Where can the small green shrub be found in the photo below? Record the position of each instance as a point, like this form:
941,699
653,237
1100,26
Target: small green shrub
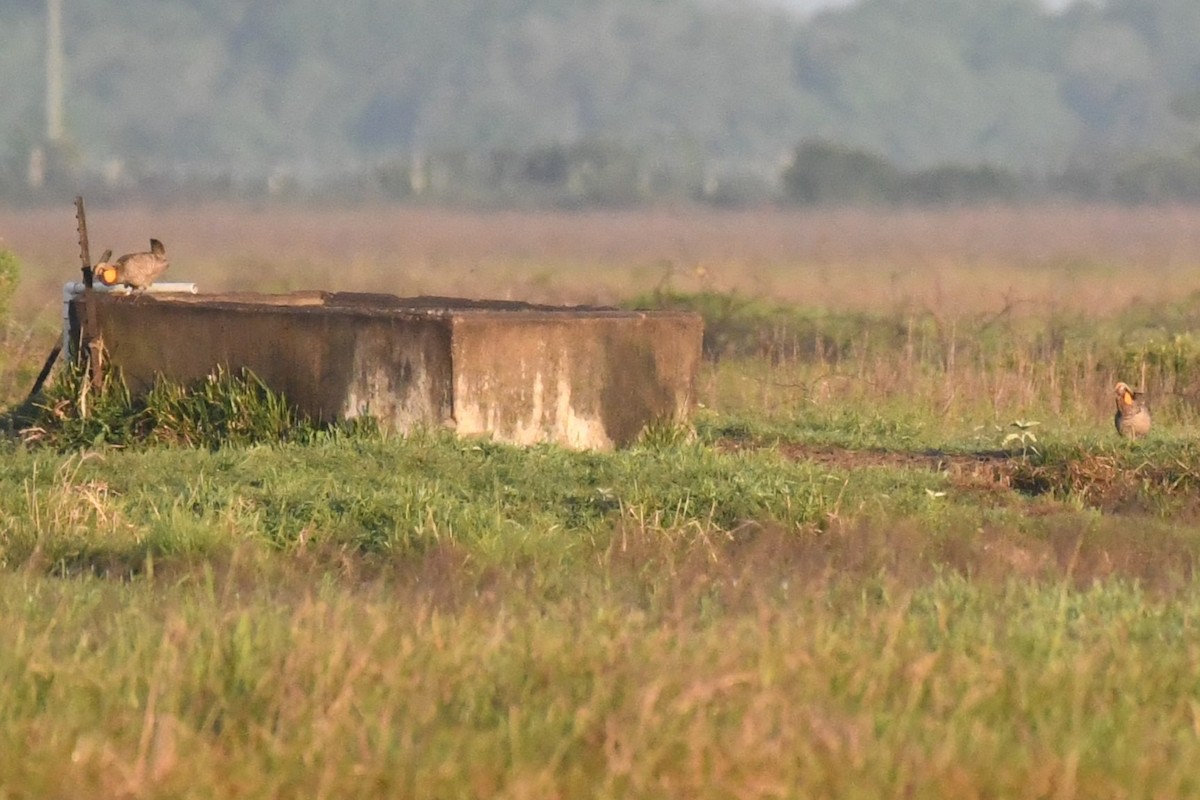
10,273
224,408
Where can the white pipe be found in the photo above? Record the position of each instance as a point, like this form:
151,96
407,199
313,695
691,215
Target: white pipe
77,288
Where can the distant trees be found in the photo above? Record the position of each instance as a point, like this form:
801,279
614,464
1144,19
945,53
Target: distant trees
589,173
580,101
826,173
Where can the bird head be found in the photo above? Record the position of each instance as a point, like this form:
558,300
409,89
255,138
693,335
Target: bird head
1124,394
106,273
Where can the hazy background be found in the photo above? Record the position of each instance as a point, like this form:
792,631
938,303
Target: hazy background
812,6
609,102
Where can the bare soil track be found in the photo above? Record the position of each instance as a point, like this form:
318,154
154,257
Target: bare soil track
1101,481
982,468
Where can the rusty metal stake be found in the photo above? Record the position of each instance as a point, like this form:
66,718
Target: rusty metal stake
45,373
91,344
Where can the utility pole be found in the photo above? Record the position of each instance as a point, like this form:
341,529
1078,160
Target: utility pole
54,71
44,156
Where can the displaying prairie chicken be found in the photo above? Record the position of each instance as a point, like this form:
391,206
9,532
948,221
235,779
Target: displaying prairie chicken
1133,415
135,270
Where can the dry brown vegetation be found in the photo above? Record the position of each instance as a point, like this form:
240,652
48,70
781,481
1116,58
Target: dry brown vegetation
1033,259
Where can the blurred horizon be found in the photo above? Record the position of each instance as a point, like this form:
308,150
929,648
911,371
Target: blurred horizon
813,6
581,102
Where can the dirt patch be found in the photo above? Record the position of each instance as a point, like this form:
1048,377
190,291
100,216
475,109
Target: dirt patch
1112,484
1102,481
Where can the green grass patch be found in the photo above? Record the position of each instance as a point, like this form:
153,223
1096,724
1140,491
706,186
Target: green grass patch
223,409
390,497
847,579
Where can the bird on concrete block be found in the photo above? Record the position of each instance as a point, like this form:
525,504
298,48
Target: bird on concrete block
1133,414
135,270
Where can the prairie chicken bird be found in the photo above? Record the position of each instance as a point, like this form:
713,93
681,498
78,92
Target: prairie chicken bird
1133,415
136,270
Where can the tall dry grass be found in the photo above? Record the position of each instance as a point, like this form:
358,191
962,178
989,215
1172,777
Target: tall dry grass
1032,259
766,667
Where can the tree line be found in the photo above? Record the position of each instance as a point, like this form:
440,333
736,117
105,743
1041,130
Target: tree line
611,101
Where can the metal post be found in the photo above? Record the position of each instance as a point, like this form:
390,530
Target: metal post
84,254
90,333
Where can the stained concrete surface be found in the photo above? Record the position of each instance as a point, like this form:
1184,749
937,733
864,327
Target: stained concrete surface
584,377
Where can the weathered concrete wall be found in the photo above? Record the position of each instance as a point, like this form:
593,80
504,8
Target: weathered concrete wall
584,381
581,377
330,365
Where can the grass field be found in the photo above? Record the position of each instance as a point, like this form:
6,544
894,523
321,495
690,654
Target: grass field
900,552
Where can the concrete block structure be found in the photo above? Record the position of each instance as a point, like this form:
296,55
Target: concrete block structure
582,377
